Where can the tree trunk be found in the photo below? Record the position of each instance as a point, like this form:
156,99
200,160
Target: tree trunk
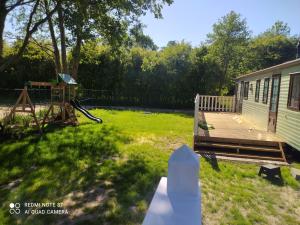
3,14
54,42
76,57
62,39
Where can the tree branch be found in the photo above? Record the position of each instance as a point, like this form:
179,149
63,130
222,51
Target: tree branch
18,3
43,47
29,33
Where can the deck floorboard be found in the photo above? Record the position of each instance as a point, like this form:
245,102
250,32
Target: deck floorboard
232,125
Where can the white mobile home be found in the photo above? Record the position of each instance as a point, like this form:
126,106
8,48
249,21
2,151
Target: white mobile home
270,99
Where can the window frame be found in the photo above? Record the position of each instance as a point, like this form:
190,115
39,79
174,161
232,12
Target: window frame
266,94
257,87
246,90
292,77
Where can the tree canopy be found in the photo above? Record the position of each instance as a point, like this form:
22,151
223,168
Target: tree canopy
105,48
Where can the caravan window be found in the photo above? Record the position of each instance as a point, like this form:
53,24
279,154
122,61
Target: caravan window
266,91
246,90
294,92
257,89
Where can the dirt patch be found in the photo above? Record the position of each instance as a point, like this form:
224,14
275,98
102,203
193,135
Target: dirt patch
5,110
82,205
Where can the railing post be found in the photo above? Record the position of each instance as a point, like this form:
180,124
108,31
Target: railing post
196,117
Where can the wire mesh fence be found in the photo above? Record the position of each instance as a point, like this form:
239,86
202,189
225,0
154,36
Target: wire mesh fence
94,97
40,98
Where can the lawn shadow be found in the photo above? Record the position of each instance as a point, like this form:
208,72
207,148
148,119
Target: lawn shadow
122,194
51,167
278,181
212,160
133,183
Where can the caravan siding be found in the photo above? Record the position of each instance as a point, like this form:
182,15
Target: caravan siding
288,121
256,112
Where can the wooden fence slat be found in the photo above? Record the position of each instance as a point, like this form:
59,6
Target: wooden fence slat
214,101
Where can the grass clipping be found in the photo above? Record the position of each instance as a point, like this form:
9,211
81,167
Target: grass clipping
205,126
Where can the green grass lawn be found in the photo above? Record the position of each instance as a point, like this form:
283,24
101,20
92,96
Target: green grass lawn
107,174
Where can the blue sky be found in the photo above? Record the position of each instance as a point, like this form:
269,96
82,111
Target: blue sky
192,20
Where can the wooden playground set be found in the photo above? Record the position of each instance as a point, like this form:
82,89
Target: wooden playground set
62,104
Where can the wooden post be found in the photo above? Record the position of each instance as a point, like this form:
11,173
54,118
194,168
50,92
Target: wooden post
24,99
63,105
196,118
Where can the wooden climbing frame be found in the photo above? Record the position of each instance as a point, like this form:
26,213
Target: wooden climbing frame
23,105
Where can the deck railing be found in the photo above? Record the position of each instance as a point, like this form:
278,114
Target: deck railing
216,103
212,104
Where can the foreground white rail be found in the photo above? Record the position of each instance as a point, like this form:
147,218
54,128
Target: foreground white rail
177,199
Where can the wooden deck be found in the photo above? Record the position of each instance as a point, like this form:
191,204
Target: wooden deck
232,125
230,135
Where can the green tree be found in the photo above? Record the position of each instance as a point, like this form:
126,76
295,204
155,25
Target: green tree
35,64
32,20
227,44
100,68
139,39
204,72
279,28
272,47
109,20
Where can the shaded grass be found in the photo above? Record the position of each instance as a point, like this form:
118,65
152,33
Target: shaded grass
107,174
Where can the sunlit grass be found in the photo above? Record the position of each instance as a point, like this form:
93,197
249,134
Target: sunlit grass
107,174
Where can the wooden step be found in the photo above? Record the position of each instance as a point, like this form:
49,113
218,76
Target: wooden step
199,139
231,146
241,155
